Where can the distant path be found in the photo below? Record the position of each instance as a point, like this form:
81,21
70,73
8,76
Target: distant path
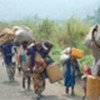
12,91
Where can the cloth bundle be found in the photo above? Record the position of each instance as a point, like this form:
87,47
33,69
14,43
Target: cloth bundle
93,43
23,34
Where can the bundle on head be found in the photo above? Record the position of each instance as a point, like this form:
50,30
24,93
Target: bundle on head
23,33
6,36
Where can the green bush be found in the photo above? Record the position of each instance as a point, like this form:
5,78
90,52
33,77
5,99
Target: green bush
70,32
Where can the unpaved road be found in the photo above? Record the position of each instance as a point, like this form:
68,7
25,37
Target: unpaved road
12,91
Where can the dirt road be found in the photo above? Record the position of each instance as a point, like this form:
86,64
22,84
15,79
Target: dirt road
12,91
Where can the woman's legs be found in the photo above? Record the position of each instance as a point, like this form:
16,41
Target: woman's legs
13,68
67,90
10,71
28,82
28,79
72,93
23,82
39,84
19,69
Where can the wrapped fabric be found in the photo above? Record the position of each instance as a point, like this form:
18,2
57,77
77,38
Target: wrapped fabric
66,51
76,53
92,41
38,74
39,64
95,67
64,58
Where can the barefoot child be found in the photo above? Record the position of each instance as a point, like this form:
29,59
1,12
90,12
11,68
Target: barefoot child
87,71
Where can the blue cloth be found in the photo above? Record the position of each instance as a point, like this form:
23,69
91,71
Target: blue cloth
69,74
42,53
7,53
32,53
45,74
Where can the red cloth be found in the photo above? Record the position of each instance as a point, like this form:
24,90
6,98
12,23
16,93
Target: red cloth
19,58
87,71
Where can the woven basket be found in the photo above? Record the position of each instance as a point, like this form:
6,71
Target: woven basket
54,73
6,37
93,88
76,53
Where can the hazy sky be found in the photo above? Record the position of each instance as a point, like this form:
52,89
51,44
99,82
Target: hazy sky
53,9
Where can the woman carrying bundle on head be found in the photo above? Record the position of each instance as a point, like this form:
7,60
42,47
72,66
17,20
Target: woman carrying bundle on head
6,43
70,65
39,68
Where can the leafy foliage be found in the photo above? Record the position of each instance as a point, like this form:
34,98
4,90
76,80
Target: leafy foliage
70,32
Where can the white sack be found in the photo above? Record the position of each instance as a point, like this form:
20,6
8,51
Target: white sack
23,34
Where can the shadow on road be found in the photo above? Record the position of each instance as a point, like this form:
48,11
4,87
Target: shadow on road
14,83
50,97
76,97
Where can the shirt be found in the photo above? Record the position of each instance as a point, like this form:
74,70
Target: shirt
7,53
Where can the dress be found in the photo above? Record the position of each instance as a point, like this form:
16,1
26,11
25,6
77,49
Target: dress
70,72
38,77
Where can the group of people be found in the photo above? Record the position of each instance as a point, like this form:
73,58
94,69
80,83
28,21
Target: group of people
33,58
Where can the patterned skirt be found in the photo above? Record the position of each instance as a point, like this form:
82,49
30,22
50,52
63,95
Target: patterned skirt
39,82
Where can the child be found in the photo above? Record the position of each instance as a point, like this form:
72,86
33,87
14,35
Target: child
87,71
25,67
7,55
70,68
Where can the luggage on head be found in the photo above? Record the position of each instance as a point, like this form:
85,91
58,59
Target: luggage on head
23,33
76,53
71,52
7,35
46,46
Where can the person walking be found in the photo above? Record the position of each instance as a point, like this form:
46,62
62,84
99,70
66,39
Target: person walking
70,68
25,60
7,55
